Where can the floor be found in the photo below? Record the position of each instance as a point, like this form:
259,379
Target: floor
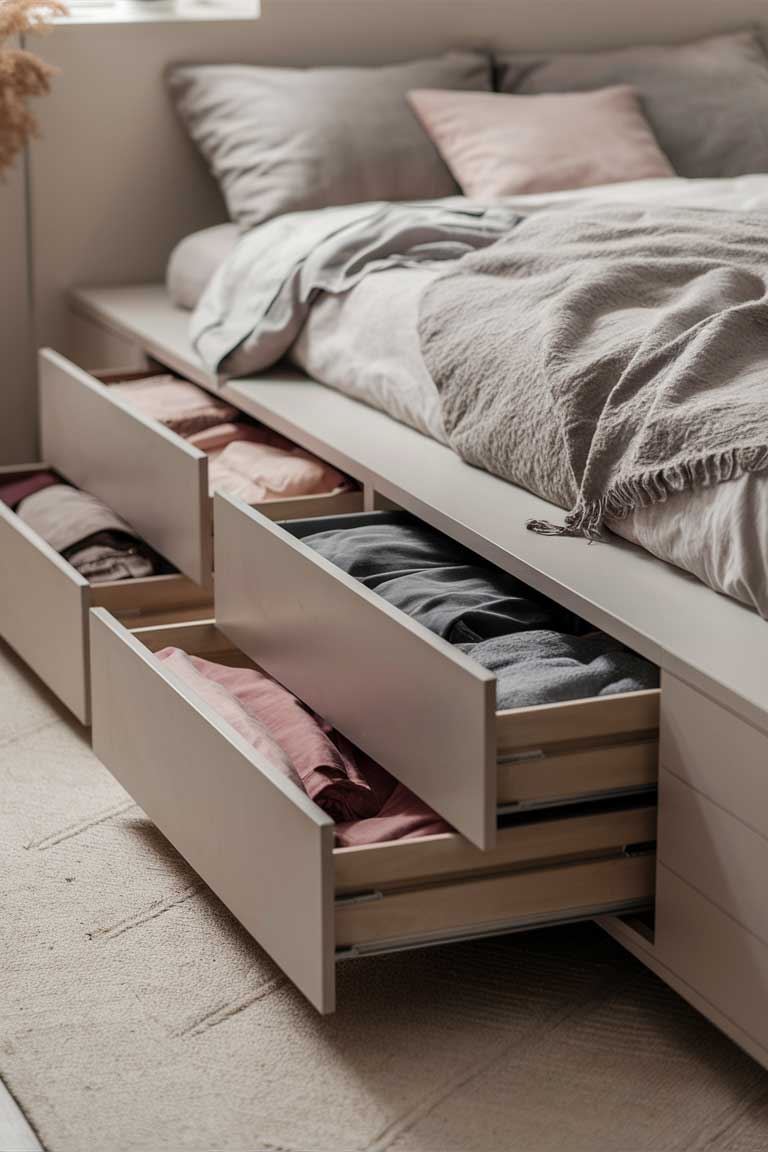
136,1014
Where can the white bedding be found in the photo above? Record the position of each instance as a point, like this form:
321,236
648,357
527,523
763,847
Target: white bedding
365,343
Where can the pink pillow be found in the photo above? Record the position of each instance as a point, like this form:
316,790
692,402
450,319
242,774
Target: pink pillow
500,145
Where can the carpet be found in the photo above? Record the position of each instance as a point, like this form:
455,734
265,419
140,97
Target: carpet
135,1013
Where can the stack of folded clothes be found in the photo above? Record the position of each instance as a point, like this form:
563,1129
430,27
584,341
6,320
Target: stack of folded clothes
539,652
246,460
90,536
368,805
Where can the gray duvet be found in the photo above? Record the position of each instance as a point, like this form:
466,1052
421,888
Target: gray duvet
607,359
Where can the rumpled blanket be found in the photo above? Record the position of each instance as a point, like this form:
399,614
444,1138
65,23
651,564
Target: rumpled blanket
606,359
257,301
539,652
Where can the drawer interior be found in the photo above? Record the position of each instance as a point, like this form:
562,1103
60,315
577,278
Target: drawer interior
360,661
344,500
546,867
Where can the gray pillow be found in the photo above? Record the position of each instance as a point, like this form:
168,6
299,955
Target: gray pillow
286,139
707,101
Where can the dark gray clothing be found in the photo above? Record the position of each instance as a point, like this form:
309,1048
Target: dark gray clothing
437,582
539,652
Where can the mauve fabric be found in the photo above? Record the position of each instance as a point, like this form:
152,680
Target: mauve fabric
706,101
180,406
403,816
283,140
218,686
500,145
335,775
12,492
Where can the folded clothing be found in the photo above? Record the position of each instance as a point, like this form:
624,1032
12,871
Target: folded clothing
93,538
261,472
545,667
439,583
180,406
245,460
367,803
539,652
24,484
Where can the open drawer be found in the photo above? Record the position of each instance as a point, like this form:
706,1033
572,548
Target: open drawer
44,605
414,702
151,477
268,851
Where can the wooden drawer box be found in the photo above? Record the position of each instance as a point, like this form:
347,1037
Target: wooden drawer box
151,477
268,851
412,701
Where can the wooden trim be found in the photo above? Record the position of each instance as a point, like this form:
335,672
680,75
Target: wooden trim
432,858
542,895
565,771
577,720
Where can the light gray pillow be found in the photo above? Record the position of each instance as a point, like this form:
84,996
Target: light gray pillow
287,139
707,101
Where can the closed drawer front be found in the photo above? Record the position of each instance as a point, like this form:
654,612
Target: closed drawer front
715,752
153,478
268,852
411,700
721,960
44,605
719,855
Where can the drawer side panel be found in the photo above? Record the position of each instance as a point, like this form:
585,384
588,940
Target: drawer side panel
147,475
422,712
44,612
259,843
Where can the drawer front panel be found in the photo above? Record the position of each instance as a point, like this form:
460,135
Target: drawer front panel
149,476
44,611
419,707
257,841
715,752
718,958
715,852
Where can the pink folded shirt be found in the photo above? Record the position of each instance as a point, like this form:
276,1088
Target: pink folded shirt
180,406
260,472
367,803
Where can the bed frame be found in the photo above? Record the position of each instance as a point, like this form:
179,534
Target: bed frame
710,940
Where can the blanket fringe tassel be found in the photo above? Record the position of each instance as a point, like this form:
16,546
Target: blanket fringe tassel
627,496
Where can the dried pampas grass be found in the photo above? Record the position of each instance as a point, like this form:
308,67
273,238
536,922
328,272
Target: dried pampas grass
22,74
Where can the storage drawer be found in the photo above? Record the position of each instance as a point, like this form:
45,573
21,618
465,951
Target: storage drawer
44,605
718,958
716,853
268,851
715,752
412,701
153,478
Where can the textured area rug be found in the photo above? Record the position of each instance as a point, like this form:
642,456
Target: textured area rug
136,1014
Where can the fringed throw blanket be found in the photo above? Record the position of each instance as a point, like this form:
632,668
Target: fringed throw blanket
605,358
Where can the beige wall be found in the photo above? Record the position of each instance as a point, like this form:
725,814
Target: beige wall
17,425
114,182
